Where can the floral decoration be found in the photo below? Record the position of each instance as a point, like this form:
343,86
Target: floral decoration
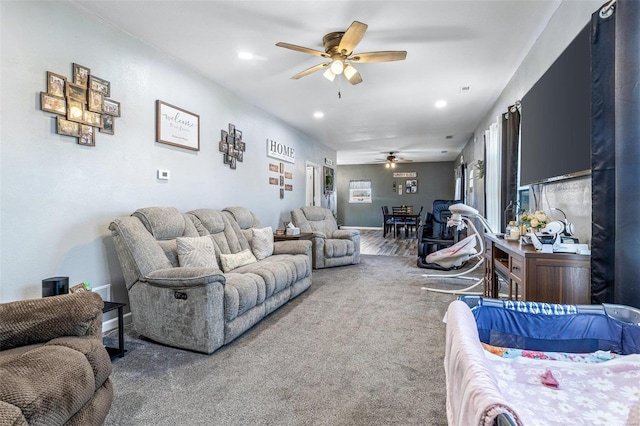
539,219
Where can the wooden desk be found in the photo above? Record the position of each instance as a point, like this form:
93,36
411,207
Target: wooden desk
535,276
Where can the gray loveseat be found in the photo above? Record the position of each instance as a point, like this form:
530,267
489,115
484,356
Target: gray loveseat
203,308
331,246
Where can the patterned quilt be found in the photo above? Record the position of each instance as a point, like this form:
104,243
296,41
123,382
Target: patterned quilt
590,392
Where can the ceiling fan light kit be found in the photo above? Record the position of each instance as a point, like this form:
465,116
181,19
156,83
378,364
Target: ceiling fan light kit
338,48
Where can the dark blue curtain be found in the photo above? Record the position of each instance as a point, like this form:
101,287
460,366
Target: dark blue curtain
627,128
615,147
602,157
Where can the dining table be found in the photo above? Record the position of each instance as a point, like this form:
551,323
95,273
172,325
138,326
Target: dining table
404,219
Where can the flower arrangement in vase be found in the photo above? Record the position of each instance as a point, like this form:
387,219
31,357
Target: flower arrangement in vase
535,221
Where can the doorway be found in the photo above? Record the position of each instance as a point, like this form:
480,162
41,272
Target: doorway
313,189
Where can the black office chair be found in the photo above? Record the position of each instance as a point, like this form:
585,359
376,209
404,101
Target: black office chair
434,234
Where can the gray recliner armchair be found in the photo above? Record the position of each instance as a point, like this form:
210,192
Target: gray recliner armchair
331,246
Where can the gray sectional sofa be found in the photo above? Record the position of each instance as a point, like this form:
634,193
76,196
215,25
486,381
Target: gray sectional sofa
194,280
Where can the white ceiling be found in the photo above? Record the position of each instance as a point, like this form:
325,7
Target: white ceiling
449,44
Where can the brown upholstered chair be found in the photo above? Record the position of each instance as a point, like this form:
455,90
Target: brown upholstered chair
54,368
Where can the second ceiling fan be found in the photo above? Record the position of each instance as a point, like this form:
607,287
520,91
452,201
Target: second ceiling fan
338,48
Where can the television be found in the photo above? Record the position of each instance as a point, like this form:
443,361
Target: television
555,138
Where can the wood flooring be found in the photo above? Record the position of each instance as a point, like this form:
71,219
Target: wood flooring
372,242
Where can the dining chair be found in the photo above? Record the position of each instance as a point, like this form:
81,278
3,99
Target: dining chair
388,222
414,222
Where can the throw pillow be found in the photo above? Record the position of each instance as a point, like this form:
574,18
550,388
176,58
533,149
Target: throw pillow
262,242
196,252
236,260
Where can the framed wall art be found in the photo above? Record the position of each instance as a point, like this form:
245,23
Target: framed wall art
111,107
75,91
107,124
273,167
99,85
95,101
68,128
231,146
87,135
55,84
81,101
81,75
53,104
411,186
176,126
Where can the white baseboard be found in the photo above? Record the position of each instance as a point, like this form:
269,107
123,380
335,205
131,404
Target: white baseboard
112,324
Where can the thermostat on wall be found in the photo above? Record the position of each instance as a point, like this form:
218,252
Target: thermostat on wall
163,174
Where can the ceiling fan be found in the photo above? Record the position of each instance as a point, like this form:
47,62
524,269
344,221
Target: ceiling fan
338,49
392,160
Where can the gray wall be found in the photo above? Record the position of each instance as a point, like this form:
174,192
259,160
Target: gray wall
58,197
573,196
435,180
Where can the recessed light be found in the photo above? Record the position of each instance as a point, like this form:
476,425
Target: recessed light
247,56
443,152
464,89
441,103
449,137
318,114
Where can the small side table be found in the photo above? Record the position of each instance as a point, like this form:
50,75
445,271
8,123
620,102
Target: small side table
120,350
301,236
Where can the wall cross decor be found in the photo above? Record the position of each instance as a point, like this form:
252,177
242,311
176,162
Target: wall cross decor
232,146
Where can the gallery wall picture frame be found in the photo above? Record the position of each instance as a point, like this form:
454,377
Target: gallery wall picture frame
411,186
281,167
56,84
281,180
95,100
81,75
273,167
53,104
76,91
238,135
91,118
107,124
99,85
288,175
67,128
288,187
111,107
232,162
222,146
75,110
273,181
232,129
80,101
176,126
281,193
87,135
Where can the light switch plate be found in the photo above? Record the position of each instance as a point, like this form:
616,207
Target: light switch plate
164,174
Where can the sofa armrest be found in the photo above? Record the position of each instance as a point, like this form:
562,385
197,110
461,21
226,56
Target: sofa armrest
184,277
33,321
345,234
292,247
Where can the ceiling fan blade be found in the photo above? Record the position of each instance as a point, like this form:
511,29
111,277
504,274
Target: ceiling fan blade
310,70
302,49
352,37
382,56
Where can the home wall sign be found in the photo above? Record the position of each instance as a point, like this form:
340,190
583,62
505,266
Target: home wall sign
280,151
176,126
82,104
232,146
